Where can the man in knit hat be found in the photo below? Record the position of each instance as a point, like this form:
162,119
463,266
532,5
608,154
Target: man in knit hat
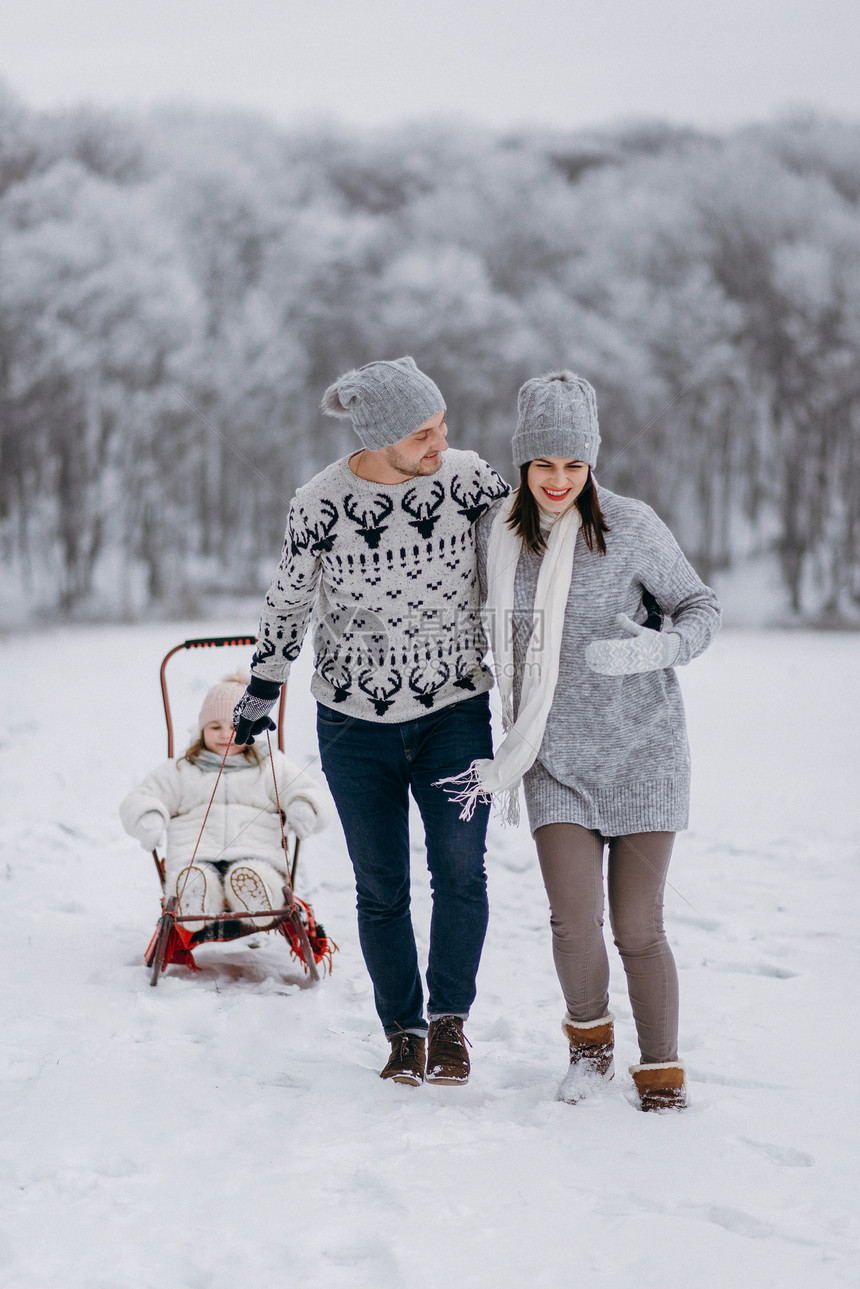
380,546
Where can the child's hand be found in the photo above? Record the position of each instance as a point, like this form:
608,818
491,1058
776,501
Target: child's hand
149,828
302,819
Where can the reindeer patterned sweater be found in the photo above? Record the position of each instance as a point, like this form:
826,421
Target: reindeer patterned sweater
389,573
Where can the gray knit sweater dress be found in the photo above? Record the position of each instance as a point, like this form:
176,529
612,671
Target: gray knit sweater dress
614,756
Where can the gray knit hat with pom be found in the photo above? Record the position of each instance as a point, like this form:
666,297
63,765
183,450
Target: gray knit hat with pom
557,418
386,400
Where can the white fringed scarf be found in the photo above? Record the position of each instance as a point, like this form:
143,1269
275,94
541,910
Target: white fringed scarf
518,751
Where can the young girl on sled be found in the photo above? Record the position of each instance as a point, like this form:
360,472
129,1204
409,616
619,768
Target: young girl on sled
240,860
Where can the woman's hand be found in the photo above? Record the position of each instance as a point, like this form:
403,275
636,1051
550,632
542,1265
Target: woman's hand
639,650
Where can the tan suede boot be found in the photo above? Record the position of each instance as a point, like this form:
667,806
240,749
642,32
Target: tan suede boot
661,1086
591,1067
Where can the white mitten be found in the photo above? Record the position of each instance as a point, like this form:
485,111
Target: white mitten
640,649
302,819
149,828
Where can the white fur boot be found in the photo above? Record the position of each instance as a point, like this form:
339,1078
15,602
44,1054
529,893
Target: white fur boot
252,885
199,892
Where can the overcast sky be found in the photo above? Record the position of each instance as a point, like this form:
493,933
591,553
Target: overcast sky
501,62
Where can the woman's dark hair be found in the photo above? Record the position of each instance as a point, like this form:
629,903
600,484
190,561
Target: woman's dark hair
524,518
249,753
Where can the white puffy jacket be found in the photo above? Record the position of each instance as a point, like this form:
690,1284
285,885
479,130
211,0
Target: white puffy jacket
243,820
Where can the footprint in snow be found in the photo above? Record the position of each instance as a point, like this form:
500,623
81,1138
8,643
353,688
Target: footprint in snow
785,1156
733,1219
753,969
726,1081
741,1223
701,923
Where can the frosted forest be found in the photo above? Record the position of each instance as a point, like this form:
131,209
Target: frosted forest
177,288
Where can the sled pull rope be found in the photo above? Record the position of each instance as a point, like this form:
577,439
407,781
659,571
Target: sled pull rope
281,819
190,865
295,918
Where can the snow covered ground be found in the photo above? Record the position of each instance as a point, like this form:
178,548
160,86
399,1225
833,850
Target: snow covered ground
229,1129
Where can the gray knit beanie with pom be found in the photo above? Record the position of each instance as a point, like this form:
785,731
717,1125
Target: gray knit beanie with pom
557,418
386,400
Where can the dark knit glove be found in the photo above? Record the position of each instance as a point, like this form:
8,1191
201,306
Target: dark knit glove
251,713
639,649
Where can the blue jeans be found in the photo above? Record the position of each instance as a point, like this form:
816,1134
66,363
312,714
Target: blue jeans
370,768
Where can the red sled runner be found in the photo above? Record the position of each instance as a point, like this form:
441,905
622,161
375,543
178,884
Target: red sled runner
173,942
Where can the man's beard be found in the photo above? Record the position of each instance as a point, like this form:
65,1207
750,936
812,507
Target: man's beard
413,469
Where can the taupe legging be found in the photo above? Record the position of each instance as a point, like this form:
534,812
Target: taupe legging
571,860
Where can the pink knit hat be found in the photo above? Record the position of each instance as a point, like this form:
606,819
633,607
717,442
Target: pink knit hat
222,698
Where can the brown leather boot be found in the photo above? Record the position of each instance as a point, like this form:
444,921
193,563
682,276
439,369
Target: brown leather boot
661,1086
407,1059
447,1058
592,1044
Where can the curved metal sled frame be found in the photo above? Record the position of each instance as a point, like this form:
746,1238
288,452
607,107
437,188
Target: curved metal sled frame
173,942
